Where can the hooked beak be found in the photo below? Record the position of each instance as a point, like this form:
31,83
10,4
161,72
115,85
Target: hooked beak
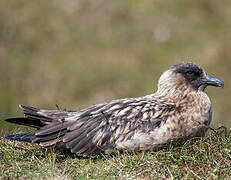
212,81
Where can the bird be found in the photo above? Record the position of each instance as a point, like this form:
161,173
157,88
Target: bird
179,110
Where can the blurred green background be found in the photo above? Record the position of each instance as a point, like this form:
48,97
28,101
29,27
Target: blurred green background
78,53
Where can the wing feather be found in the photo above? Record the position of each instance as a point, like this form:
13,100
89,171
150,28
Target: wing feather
53,127
50,137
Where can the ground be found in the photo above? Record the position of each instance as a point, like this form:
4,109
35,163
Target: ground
208,157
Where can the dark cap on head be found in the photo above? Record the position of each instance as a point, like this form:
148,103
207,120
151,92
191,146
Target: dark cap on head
196,76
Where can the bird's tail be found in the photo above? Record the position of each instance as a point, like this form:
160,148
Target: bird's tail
45,121
32,118
35,114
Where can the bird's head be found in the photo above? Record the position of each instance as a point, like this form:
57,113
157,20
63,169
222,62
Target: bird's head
185,77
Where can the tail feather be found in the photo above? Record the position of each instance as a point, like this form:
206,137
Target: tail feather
47,122
33,113
25,137
35,123
32,118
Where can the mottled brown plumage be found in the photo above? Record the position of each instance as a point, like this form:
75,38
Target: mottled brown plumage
179,110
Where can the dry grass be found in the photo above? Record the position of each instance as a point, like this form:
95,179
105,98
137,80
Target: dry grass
207,158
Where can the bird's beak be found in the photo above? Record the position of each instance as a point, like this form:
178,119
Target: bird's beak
212,81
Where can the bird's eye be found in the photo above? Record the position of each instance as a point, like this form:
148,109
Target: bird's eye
190,73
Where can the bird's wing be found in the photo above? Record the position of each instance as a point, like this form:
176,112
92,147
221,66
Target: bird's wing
93,130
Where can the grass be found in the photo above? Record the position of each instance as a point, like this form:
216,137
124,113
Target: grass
208,157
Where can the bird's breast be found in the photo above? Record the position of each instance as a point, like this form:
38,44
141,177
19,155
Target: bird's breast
195,115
